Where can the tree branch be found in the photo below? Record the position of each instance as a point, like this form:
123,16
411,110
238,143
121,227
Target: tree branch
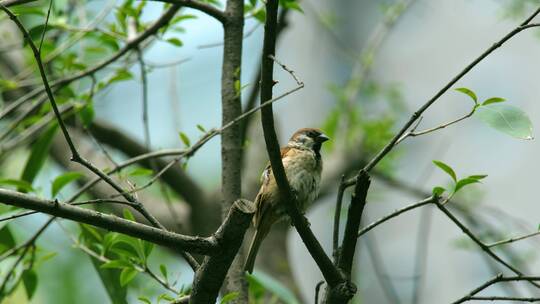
331,274
354,216
175,241
210,276
231,138
206,8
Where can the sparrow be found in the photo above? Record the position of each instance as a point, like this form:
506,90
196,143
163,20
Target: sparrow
303,165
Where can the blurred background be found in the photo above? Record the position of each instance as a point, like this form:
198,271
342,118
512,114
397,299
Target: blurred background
367,66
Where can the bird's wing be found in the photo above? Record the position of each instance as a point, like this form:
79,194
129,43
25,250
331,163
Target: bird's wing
268,189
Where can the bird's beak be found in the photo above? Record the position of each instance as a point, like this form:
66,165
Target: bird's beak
322,138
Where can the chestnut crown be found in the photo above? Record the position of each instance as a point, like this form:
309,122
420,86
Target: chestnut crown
309,138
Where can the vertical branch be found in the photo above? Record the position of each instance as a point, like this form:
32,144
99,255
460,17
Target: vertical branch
342,289
231,144
211,273
356,208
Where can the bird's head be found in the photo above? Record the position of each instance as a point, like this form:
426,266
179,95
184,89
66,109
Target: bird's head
309,138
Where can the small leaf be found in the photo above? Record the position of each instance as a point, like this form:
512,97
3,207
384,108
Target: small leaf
128,215
87,114
121,75
468,92
7,241
201,128
507,119
229,297
20,184
38,155
185,139
493,100
29,278
464,182
163,270
478,177
141,172
144,300
446,169
127,275
437,191
119,264
175,41
64,179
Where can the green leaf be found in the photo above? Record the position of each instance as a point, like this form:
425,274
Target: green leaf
127,275
163,270
185,139
228,298
165,297
111,282
201,128
141,172
38,154
468,92
507,119
175,41
291,4
63,180
121,75
87,114
117,264
7,241
437,191
30,279
493,100
446,169
464,182
128,215
260,15
478,177
20,184
274,286
144,300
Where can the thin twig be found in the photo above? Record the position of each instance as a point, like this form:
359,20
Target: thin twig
337,217
317,291
414,133
514,239
421,203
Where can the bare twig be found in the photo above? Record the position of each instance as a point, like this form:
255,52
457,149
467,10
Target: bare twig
200,6
498,278
514,239
337,217
317,291
414,133
421,203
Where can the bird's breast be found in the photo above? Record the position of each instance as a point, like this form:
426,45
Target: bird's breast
304,175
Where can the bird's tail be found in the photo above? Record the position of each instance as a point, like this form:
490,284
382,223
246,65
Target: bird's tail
256,242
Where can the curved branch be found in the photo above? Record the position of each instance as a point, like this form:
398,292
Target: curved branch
206,8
